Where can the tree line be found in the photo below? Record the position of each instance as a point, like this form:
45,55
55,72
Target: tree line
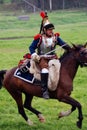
48,4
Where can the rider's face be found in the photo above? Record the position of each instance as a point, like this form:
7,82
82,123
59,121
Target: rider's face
49,32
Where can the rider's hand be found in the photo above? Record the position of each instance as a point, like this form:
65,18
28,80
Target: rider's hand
35,57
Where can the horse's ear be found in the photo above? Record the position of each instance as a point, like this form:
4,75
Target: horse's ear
85,44
74,45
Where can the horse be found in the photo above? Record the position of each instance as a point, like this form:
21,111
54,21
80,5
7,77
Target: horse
70,61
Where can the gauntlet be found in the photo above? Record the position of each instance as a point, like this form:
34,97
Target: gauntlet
35,57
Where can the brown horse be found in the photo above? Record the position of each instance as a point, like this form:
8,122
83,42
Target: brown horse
70,61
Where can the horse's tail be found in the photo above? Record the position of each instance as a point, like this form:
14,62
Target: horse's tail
2,72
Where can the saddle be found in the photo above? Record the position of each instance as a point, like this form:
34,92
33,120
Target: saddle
32,70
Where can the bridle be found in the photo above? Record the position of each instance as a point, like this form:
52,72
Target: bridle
82,53
79,59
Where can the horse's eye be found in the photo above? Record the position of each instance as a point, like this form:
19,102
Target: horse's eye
83,53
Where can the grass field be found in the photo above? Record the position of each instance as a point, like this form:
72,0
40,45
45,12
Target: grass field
72,26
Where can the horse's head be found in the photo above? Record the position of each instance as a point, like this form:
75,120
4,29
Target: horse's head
80,54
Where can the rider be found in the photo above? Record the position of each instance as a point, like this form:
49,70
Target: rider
45,42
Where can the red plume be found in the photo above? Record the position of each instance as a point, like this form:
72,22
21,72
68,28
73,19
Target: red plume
42,14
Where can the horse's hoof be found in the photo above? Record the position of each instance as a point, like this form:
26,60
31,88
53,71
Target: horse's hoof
41,118
29,122
79,124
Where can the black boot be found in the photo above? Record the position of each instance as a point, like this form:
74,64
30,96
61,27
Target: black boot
44,83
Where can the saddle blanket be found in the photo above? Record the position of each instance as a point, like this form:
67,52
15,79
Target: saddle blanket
26,76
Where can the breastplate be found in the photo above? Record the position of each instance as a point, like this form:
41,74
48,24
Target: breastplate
47,44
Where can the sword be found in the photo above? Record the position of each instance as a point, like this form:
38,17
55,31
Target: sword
55,49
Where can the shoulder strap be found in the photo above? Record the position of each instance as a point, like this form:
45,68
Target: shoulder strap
56,36
38,45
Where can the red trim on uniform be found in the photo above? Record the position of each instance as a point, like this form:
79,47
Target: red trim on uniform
27,56
57,34
37,36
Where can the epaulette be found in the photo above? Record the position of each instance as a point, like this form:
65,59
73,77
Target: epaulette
37,36
57,34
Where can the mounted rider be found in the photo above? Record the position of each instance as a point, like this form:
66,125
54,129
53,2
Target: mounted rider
45,42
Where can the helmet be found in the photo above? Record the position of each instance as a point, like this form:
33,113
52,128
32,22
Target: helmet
49,26
45,22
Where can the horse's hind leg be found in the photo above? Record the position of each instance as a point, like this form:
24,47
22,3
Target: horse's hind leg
66,113
27,105
18,98
75,104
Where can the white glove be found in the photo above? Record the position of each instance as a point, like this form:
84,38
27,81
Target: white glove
35,57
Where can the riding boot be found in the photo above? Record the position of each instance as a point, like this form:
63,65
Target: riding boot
44,85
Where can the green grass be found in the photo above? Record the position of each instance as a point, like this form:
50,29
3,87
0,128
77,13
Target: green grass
72,26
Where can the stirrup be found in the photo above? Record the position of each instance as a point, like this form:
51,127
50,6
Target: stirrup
46,95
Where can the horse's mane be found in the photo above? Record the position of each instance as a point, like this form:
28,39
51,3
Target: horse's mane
68,52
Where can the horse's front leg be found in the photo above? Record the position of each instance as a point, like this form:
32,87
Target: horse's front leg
74,104
27,105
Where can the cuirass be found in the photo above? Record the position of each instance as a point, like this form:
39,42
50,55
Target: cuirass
47,44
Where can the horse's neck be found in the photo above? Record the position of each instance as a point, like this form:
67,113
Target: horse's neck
70,65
